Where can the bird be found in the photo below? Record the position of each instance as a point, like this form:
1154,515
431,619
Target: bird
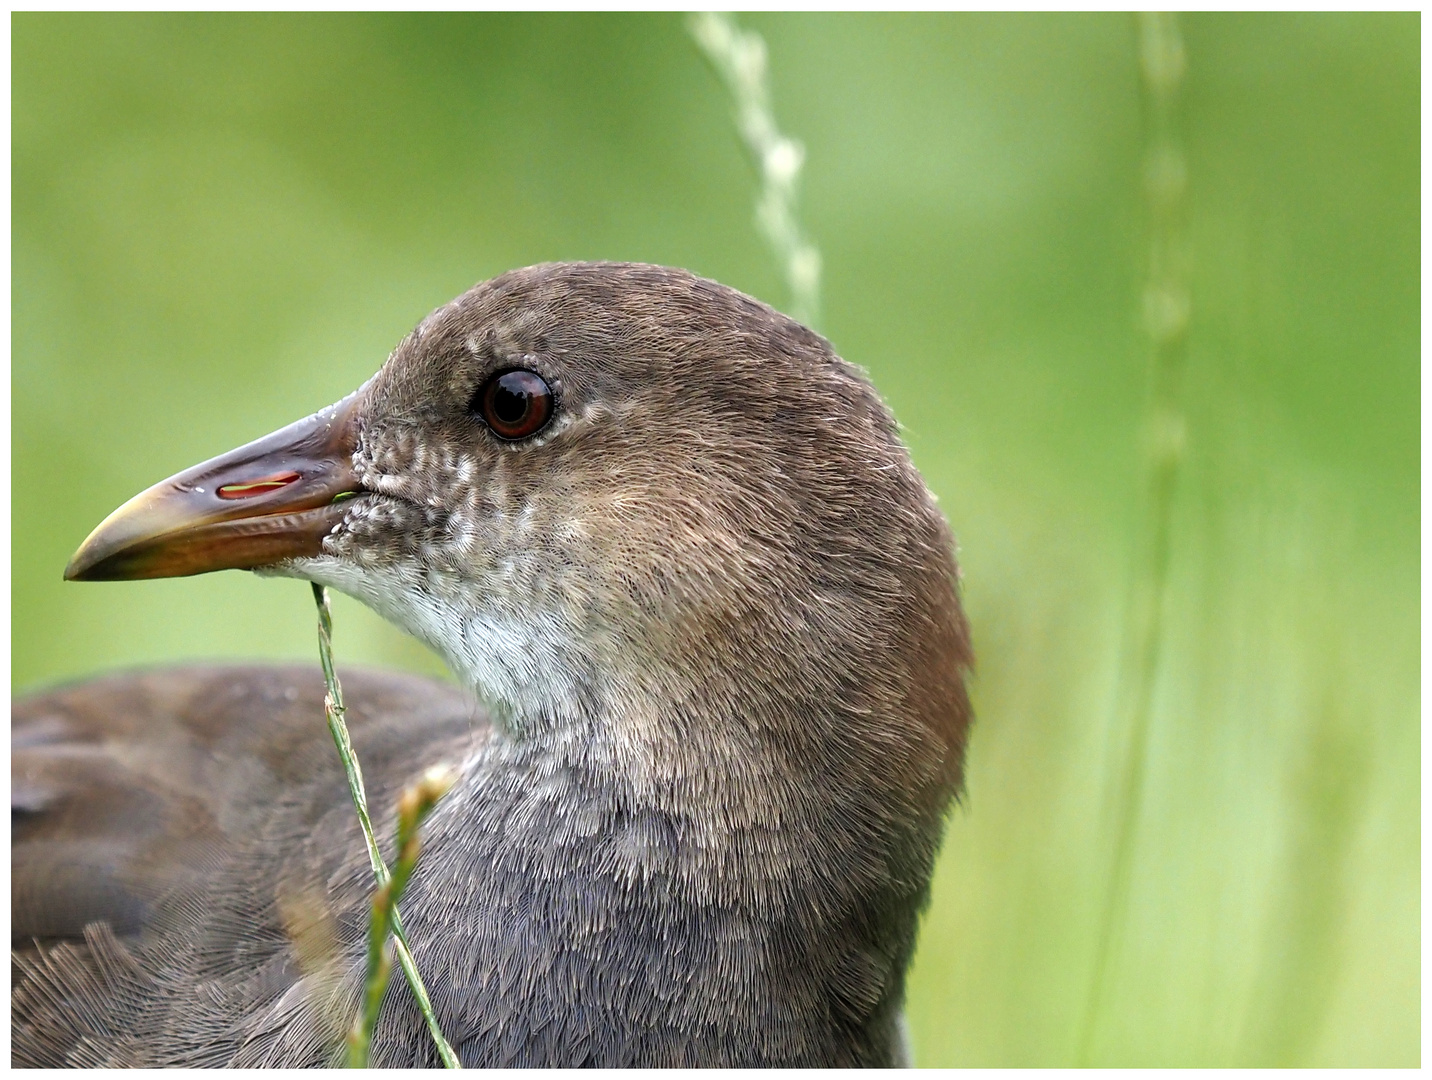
710,714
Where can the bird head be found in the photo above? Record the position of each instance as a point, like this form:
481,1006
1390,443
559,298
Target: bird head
603,491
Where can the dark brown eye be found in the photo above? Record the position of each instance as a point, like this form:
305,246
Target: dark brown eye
515,404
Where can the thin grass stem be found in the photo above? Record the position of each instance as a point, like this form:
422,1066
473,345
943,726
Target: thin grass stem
414,806
334,710
1166,310
739,57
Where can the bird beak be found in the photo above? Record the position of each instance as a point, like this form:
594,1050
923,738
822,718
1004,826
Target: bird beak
274,499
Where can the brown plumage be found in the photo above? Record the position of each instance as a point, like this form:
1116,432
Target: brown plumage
709,616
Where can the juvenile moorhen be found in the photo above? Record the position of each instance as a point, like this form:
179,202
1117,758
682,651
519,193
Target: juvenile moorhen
708,615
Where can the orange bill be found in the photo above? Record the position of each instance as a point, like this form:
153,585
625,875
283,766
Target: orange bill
274,499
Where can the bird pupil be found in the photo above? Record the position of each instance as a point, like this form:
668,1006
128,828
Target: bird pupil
510,403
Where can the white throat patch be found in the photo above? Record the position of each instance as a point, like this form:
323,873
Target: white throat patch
527,666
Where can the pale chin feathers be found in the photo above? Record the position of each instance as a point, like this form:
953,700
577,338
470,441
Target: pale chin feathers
525,665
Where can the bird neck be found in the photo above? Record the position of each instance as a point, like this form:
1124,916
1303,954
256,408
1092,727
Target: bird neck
752,797
595,854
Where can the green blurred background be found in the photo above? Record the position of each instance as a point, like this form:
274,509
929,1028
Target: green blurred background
221,224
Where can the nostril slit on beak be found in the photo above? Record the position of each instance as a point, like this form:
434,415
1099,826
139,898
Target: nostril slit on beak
257,487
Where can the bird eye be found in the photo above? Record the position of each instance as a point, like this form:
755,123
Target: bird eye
515,404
